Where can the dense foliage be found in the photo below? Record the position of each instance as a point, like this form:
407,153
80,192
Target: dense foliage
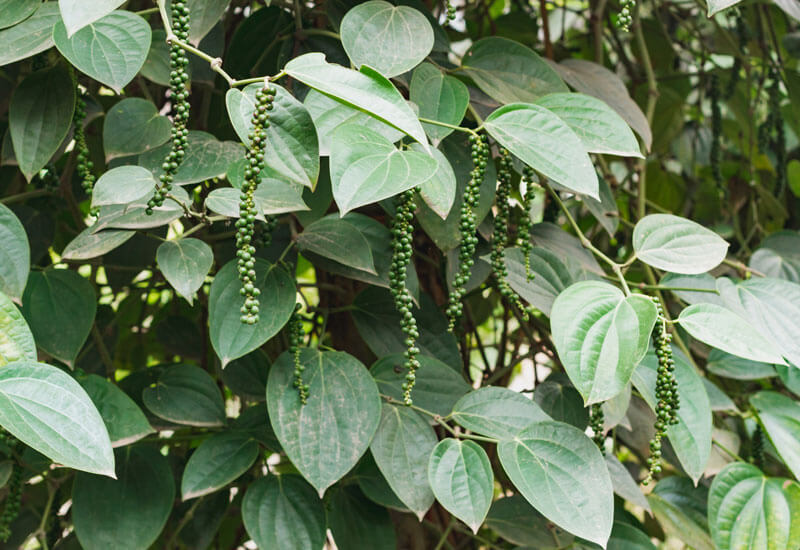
425,275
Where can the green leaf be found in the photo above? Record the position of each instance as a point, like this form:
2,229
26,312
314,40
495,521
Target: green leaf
59,306
89,245
366,168
247,376
730,366
39,117
550,276
366,90
15,11
374,485
283,512
185,264
439,97
133,126
272,197
291,150
355,522
15,254
206,158
127,513
219,460
122,185
519,523
716,6
461,477
628,537
48,410
561,472
677,244
230,337
496,412
124,420
748,510
439,192
780,416
185,394
401,448
600,335
338,420
76,14
204,14
624,484
509,72
600,128
544,142
339,240
721,328
390,39
778,256
134,214
561,401
691,436
34,35
16,339
674,521
111,50
699,281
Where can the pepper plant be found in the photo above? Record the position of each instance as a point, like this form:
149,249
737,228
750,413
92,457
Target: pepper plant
413,274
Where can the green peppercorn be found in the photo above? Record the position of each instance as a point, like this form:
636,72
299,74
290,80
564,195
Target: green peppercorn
596,423
12,503
450,10
296,334
524,230
625,16
83,165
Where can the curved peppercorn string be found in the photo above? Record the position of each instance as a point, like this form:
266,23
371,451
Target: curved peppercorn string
451,10
524,230
596,422
468,227
245,225
402,251
668,402
625,16
178,79
84,166
296,334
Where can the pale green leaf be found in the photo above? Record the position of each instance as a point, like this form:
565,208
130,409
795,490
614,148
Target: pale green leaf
624,484
133,126
15,254
716,6
89,245
76,14
439,97
272,197
185,264
496,412
33,35
185,394
16,339
206,158
122,185
677,244
730,366
219,460
134,214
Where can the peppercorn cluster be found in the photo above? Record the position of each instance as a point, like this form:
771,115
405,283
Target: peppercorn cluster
402,251
84,166
524,229
296,334
667,400
12,503
596,423
451,11
716,132
178,79
625,17
245,225
467,227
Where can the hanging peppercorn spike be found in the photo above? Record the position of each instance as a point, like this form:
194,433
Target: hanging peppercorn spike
596,423
296,334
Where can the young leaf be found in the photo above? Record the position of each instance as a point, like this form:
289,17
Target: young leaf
544,142
89,245
461,477
677,244
229,336
15,254
188,395
600,335
124,420
439,97
284,512
325,437
219,460
390,39
779,415
624,484
111,50
122,185
48,410
185,264
561,472
39,116
339,240
402,447
33,35
59,306
133,126
77,14
16,339
496,412
365,168
127,513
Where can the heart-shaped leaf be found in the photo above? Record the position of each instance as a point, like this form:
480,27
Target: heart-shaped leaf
124,420
133,126
15,254
219,460
185,264
122,185
496,412
439,97
32,36
678,245
185,394
16,339
339,240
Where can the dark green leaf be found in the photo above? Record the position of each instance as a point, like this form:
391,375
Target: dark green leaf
247,376
123,418
497,412
32,36
133,126
204,15
188,395
15,254
562,402
337,239
185,264
550,276
219,460
519,523
355,522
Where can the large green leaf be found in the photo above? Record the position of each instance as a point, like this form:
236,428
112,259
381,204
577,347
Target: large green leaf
366,90
461,477
730,366
127,513
780,416
402,447
691,436
272,197
624,484
204,14
15,254
600,129
544,142
283,512
677,244
291,150
673,520
32,36
16,339
15,11
509,72
325,437
59,306
230,337
76,14
749,510
133,126
185,264
561,472
390,39
439,97
134,214
514,519
705,284
123,418
550,276
122,185
185,394
206,158
600,335
355,522
559,399
111,50
335,238
778,256
89,245
497,412
366,168
721,328
39,116
219,460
